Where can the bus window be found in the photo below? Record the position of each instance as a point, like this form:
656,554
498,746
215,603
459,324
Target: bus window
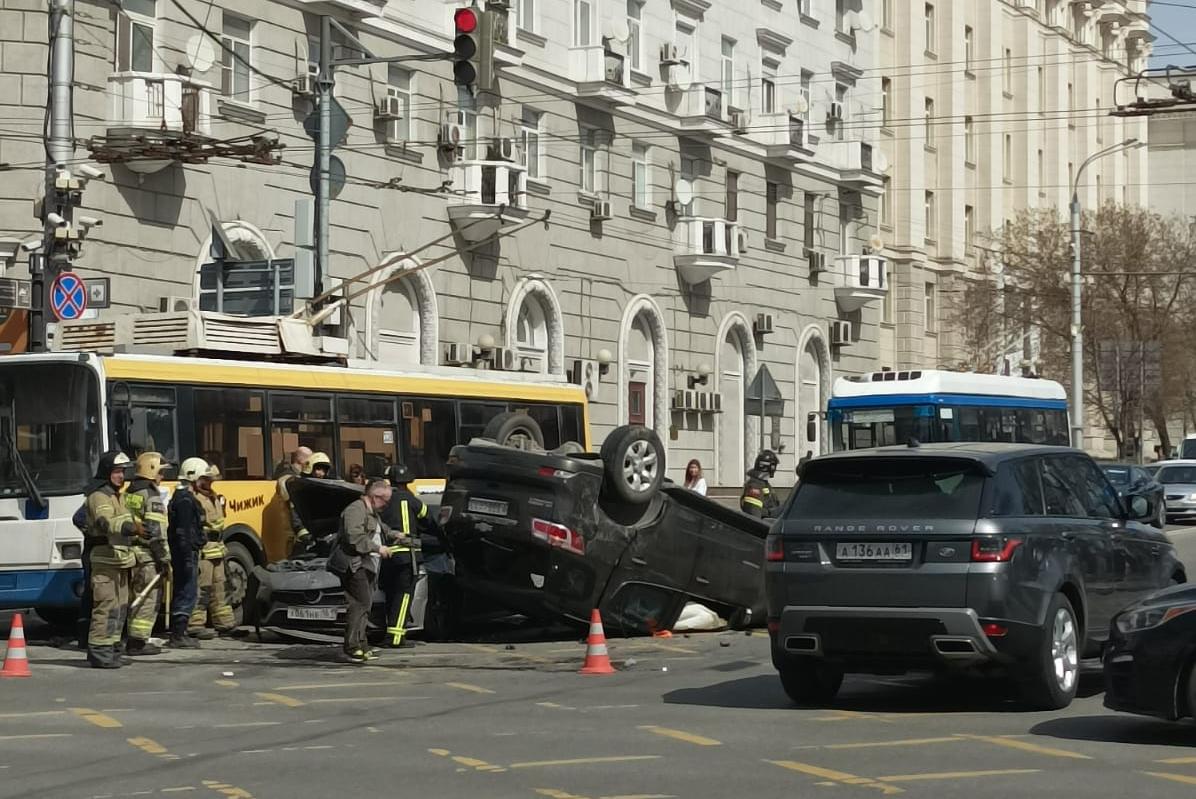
429,432
149,424
299,420
367,434
476,415
571,424
230,430
546,416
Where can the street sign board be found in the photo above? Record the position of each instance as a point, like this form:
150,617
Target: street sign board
336,177
339,127
14,293
68,296
763,396
99,293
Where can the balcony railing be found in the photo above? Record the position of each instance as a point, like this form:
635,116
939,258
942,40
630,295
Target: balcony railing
599,72
702,109
482,190
706,247
159,102
860,279
786,137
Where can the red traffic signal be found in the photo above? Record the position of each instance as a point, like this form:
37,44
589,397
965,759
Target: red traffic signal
465,46
465,20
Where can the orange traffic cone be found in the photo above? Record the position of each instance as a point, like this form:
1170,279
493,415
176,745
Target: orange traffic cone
597,659
16,664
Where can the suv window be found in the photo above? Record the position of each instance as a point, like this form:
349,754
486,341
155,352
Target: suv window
1057,492
889,488
1018,489
1099,498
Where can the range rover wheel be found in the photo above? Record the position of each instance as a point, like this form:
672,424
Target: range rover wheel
1161,516
1054,676
516,430
633,459
810,682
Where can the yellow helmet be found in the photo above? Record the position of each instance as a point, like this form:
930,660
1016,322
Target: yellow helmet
149,465
192,469
318,459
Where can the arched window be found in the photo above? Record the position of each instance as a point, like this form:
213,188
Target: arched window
531,330
241,276
398,324
402,320
534,326
644,366
813,389
737,434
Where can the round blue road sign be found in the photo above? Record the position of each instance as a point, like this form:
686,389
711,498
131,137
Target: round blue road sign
68,297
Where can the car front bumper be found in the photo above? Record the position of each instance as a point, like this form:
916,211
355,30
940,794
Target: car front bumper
1142,673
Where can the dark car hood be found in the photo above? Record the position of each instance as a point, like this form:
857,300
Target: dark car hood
1172,595
319,502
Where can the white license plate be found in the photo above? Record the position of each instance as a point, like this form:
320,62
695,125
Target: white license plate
490,507
312,614
863,550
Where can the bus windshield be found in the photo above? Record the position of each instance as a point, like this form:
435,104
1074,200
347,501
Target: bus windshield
49,413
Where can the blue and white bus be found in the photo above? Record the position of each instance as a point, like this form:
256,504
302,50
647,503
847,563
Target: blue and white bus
886,408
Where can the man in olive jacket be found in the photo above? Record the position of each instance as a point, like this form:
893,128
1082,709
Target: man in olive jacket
361,545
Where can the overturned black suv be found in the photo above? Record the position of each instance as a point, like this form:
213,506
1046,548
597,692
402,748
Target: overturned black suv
987,556
554,535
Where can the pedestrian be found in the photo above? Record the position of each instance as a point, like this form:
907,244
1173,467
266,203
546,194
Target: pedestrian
143,499
694,480
186,537
357,474
757,498
359,549
108,562
298,466
319,465
415,534
212,604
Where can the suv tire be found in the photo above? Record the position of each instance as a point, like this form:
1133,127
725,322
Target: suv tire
810,682
1054,676
518,430
633,460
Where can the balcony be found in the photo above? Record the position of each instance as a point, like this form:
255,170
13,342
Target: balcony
705,248
170,105
858,163
487,197
860,279
601,74
786,138
702,110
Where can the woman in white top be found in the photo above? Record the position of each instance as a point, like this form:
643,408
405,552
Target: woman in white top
694,480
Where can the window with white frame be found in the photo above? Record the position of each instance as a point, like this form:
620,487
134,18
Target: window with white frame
727,72
592,159
772,201
685,37
805,8
840,16
886,14
641,175
1042,182
969,48
248,288
583,23
807,80
768,86
842,94
525,15
969,227
1007,72
885,211
531,330
235,57
969,140
928,25
886,90
929,115
928,209
1042,90
135,34
531,143
931,308
398,99
635,42
1007,158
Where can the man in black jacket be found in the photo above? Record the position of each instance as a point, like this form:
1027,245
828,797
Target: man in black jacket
418,538
185,534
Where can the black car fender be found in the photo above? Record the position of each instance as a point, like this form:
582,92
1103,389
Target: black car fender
1055,571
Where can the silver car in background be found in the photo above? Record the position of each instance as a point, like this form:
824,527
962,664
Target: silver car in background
1179,484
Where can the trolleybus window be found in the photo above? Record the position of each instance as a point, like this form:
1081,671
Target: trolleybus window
367,434
229,424
300,420
143,420
429,431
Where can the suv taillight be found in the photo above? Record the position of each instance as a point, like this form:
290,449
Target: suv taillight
994,549
774,548
558,535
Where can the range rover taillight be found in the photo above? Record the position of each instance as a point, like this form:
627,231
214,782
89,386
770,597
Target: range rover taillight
774,548
994,549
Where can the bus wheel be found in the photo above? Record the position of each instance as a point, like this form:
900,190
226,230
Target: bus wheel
242,585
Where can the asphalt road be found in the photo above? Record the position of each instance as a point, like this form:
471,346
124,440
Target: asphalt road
702,716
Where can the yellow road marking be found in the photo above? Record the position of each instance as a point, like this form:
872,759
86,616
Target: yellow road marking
1026,746
281,699
228,683
492,650
1178,761
464,686
35,735
228,790
318,686
1184,778
681,735
95,717
148,745
470,762
853,715
905,742
581,761
33,713
555,706
958,775
840,777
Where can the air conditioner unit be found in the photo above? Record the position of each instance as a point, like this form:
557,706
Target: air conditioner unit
671,55
840,333
835,112
763,324
679,399
504,358
817,261
457,353
584,373
703,400
174,304
600,210
305,85
390,107
742,242
453,133
502,148
739,121
716,402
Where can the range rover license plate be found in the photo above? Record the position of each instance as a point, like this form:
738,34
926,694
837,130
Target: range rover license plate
863,550
490,507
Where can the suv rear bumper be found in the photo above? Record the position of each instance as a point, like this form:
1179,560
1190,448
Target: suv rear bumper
884,635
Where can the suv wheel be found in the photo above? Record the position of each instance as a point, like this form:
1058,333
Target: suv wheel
633,459
810,682
1055,674
518,430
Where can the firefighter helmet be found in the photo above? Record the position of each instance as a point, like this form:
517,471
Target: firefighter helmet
150,465
767,461
192,469
317,460
110,461
399,475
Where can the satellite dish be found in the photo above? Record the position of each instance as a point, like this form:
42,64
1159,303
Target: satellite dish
801,105
200,52
876,243
863,21
680,77
881,161
619,30
684,191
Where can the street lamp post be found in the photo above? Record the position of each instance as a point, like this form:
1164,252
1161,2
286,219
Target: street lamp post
1077,320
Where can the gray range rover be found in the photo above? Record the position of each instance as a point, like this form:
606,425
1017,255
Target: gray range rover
1004,557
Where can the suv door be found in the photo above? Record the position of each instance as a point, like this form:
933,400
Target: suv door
1066,495
1146,566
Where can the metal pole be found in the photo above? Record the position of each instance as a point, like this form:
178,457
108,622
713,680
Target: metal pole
324,152
761,416
1142,403
1077,334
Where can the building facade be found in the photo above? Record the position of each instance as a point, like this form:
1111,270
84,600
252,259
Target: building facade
707,200
989,107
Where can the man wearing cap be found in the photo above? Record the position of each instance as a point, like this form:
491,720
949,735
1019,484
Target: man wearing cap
186,537
108,561
143,499
213,600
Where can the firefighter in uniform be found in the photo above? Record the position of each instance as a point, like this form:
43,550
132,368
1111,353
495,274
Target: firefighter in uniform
416,532
186,537
143,499
298,466
108,561
757,498
213,599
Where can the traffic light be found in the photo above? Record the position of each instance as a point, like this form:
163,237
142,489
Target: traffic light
466,21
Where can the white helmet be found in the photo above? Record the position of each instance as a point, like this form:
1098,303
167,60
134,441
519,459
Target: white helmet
192,469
